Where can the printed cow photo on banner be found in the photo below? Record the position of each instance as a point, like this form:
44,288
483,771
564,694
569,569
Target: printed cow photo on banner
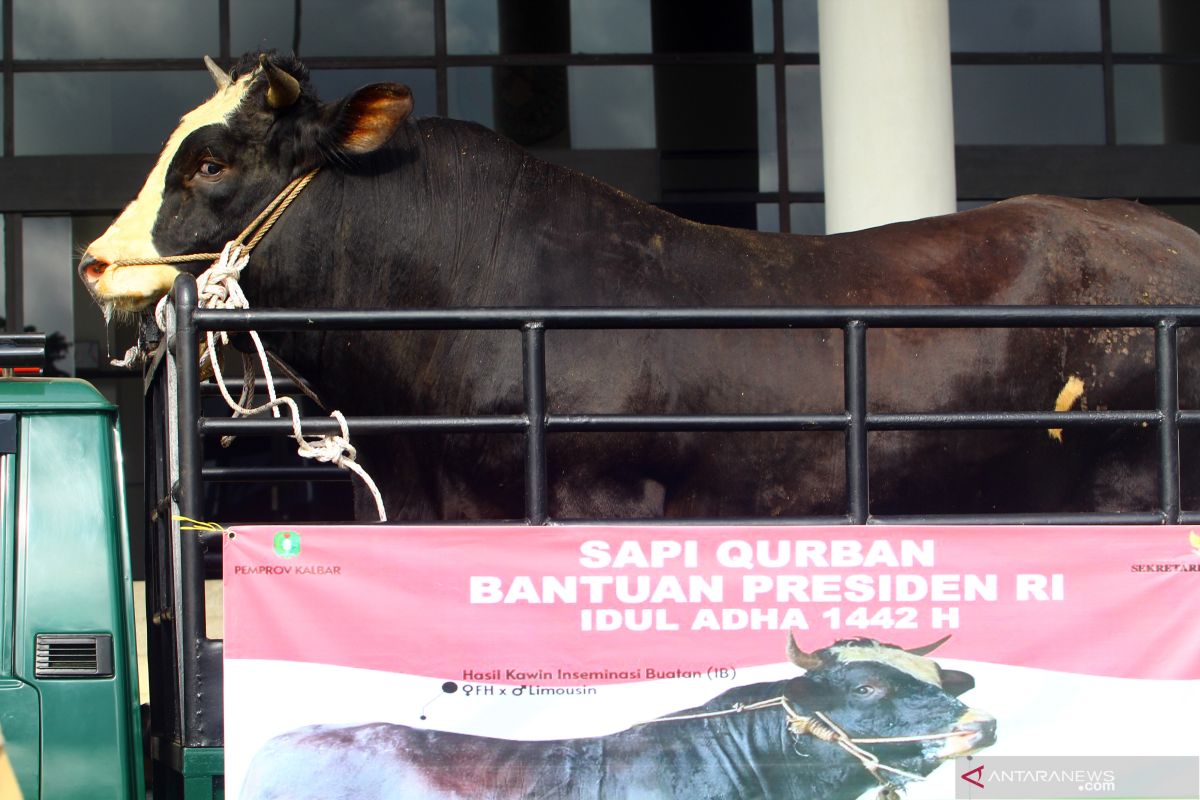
863,714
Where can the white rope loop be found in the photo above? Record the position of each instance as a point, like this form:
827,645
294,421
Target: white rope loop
218,287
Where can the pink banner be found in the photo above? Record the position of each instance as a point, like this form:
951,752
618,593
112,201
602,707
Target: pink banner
515,604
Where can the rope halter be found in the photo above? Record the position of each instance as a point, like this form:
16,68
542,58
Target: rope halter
218,287
819,726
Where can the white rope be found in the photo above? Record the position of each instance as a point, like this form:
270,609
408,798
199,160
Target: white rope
827,731
218,287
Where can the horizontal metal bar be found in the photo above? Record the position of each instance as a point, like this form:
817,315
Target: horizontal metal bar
598,423
210,426
609,423
274,474
283,386
641,318
967,420
1062,518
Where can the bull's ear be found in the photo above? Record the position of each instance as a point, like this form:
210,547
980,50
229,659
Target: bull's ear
956,682
366,120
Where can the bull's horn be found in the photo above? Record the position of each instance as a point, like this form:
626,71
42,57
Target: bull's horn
929,648
803,660
284,89
219,75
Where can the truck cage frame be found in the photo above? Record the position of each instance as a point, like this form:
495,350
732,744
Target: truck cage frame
187,732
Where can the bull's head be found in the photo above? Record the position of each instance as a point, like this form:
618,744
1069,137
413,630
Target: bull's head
227,159
876,691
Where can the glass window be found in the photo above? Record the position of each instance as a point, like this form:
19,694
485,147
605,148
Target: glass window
261,25
1136,26
703,149
101,29
1138,103
800,26
469,93
768,217
373,27
334,84
764,26
1024,25
730,215
611,107
768,150
1179,21
1020,104
610,26
804,129
807,218
48,274
1155,104
102,112
472,26
703,27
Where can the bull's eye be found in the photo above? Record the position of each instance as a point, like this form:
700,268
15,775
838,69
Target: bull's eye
210,169
866,690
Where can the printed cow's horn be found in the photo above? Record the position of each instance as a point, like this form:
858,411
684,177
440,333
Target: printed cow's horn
929,648
219,75
805,661
284,89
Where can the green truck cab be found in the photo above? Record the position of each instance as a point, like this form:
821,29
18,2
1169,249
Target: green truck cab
69,706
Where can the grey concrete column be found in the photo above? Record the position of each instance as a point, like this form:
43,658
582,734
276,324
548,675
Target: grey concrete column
886,111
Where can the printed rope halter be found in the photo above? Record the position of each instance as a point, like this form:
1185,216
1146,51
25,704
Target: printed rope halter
218,287
822,727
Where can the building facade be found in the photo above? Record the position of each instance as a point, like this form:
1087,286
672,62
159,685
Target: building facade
709,108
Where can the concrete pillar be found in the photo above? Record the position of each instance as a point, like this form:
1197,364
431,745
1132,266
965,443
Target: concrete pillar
886,111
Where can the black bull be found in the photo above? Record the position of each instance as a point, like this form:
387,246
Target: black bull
866,689
437,213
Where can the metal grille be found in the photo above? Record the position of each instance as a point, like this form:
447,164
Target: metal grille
854,421
73,656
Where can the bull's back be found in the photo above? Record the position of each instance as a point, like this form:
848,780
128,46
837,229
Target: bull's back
381,761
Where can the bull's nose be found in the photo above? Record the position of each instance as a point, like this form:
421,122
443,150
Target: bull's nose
91,268
973,731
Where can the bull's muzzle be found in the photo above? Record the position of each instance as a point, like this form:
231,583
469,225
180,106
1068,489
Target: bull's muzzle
972,732
125,288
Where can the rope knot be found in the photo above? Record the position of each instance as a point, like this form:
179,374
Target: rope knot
331,448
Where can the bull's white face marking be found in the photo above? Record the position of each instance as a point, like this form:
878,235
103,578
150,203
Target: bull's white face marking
129,288
919,667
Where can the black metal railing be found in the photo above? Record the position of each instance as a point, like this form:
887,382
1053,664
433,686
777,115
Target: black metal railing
195,713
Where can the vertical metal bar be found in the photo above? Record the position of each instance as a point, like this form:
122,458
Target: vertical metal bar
779,63
1106,67
189,608
223,25
6,57
533,351
855,369
439,57
14,273
1166,371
